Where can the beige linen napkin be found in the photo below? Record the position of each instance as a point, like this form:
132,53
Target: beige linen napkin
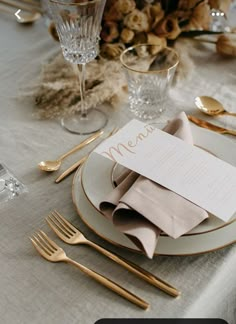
142,209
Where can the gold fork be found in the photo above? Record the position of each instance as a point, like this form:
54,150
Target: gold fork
52,252
71,235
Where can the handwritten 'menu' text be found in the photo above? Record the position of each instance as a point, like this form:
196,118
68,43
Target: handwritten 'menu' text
122,149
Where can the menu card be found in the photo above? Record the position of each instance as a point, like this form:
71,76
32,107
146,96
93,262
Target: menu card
185,169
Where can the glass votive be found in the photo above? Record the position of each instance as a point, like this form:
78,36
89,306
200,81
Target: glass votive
149,70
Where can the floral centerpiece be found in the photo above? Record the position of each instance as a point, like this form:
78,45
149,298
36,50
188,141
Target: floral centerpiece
159,22
128,22
125,23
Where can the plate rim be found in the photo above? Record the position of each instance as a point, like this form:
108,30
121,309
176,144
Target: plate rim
162,234
77,174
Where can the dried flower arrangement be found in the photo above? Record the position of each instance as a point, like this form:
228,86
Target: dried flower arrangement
128,22
157,22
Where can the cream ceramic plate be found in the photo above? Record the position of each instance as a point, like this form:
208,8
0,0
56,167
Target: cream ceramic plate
96,179
97,172
185,245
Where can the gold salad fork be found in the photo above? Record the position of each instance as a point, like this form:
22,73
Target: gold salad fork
52,252
71,235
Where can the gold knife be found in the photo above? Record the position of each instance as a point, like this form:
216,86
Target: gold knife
81,161
212,127
71,169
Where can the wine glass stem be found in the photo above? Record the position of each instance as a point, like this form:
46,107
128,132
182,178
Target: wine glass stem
82,74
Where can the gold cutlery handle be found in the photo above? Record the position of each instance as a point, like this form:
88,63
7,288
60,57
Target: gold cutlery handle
215,128
88,140
81,161
140,272
229,113
71,169
111,285
230,131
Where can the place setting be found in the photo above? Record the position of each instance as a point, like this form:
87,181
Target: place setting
89,194
132,212
144,150
118,161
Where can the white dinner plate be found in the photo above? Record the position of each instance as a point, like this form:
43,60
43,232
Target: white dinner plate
212,234
97,172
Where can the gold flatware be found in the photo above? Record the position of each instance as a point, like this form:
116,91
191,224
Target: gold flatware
210,126
71,235
81,161
21,16
52,252
71,169
50,166
211,106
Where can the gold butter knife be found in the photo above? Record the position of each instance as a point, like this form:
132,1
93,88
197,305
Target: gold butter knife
212,127
79,163
71,169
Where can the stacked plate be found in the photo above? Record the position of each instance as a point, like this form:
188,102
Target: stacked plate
95,181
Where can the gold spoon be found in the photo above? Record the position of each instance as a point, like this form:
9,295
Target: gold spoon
22,16
211,106
50,166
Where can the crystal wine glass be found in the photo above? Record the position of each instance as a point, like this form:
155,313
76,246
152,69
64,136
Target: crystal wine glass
78,25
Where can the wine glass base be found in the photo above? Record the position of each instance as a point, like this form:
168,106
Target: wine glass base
77,124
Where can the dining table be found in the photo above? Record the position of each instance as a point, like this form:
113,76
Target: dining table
36,291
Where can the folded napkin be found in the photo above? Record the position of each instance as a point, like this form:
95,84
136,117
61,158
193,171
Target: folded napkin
142,209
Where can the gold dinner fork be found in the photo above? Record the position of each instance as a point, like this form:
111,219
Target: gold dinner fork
71,235
52,252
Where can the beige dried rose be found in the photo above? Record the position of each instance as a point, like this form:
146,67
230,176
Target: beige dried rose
222,5
127,35
140,38
112,14
157,13
109,31
137,21
200,17
154,13
125,6
158,43
226,45
168,28
112,50
155,40
109,4
187,5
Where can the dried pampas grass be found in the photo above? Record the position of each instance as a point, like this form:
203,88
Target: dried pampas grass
186,65
58,95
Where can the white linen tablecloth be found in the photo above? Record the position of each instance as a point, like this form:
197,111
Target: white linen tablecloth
36,291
